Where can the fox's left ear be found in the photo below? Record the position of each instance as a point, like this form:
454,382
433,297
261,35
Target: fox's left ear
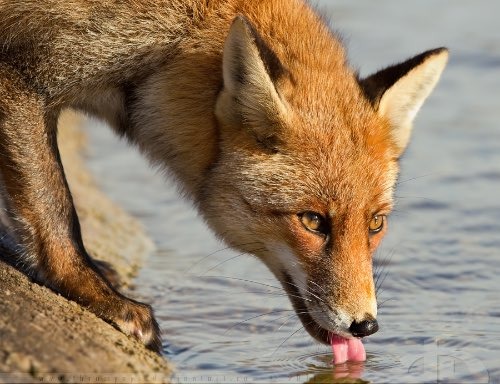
399,91
250,98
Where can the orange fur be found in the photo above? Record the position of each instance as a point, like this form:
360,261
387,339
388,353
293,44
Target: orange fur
250,105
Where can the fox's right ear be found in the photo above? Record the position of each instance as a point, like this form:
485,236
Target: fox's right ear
249,97
399,91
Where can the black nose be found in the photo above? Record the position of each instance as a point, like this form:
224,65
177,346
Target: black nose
364,328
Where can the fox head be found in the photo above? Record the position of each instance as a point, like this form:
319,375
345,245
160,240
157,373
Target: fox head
307,164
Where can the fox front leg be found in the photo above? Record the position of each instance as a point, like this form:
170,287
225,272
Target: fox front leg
38,197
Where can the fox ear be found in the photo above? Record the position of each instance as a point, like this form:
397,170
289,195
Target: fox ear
249,97
399,91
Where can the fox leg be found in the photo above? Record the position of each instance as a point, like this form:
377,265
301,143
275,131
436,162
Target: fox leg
45,219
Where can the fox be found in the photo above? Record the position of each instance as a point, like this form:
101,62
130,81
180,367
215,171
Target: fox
251,106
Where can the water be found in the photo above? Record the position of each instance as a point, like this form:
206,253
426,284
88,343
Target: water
222,315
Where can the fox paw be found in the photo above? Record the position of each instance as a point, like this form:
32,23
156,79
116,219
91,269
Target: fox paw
137,319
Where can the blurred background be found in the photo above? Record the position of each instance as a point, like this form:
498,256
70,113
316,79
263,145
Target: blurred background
224,317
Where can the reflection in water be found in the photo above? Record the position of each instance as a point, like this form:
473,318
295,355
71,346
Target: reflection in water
348,371
224,317
336,377
343,373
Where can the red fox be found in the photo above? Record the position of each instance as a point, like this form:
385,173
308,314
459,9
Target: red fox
249,105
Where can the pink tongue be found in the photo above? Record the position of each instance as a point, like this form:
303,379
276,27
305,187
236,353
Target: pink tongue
347,349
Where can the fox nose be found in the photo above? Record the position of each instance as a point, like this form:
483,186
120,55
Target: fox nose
364,328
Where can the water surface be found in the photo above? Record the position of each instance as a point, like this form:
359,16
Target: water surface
223,316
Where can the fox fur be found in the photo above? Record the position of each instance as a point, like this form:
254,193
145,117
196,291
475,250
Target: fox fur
251,107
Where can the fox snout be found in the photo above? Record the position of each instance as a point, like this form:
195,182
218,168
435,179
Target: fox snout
339,316
331,305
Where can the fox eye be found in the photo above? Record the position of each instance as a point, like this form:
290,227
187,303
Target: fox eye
313,222
377,224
